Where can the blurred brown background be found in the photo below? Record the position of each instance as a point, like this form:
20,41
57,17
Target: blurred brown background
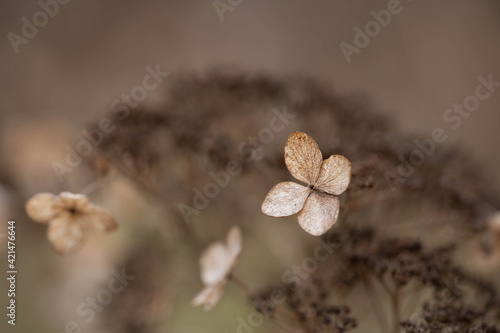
424,61
91,52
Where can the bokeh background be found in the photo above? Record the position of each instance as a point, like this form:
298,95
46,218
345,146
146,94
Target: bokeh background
424,61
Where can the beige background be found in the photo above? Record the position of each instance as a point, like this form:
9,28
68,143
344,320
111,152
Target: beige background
426,59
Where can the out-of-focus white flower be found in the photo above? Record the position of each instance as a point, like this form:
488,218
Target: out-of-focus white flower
217,262
69,217
317,203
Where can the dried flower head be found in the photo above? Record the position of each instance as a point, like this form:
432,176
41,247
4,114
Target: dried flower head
69,217
217,262
317,203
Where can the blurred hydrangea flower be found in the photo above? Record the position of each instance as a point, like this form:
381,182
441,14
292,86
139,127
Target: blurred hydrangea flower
69,217
217,262
317,203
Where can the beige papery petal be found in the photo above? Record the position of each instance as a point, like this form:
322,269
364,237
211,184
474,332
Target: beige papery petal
78,202
215,263
335,175
303,157
209,296
285,199
234,242
65,233
319,213
98,219
43,207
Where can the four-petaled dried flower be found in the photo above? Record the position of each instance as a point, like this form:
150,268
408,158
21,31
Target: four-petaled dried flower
69,217
317,203
217,262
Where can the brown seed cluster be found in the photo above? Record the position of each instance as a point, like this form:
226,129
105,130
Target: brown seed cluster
206,118
170,150
460,302
307,306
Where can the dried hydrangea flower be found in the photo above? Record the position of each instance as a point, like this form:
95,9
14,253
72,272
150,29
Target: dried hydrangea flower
69,217
317,203
217,262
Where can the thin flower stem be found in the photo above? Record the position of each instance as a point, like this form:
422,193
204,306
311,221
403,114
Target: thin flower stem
395,301
383,284
276,318
97,184
287,317
184,228
414,300
376,304
92,187
281,322
395,298
242,285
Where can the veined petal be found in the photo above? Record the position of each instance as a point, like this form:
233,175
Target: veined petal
97,218
65,233
335,175
285,199
320,212
43,207
303,157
